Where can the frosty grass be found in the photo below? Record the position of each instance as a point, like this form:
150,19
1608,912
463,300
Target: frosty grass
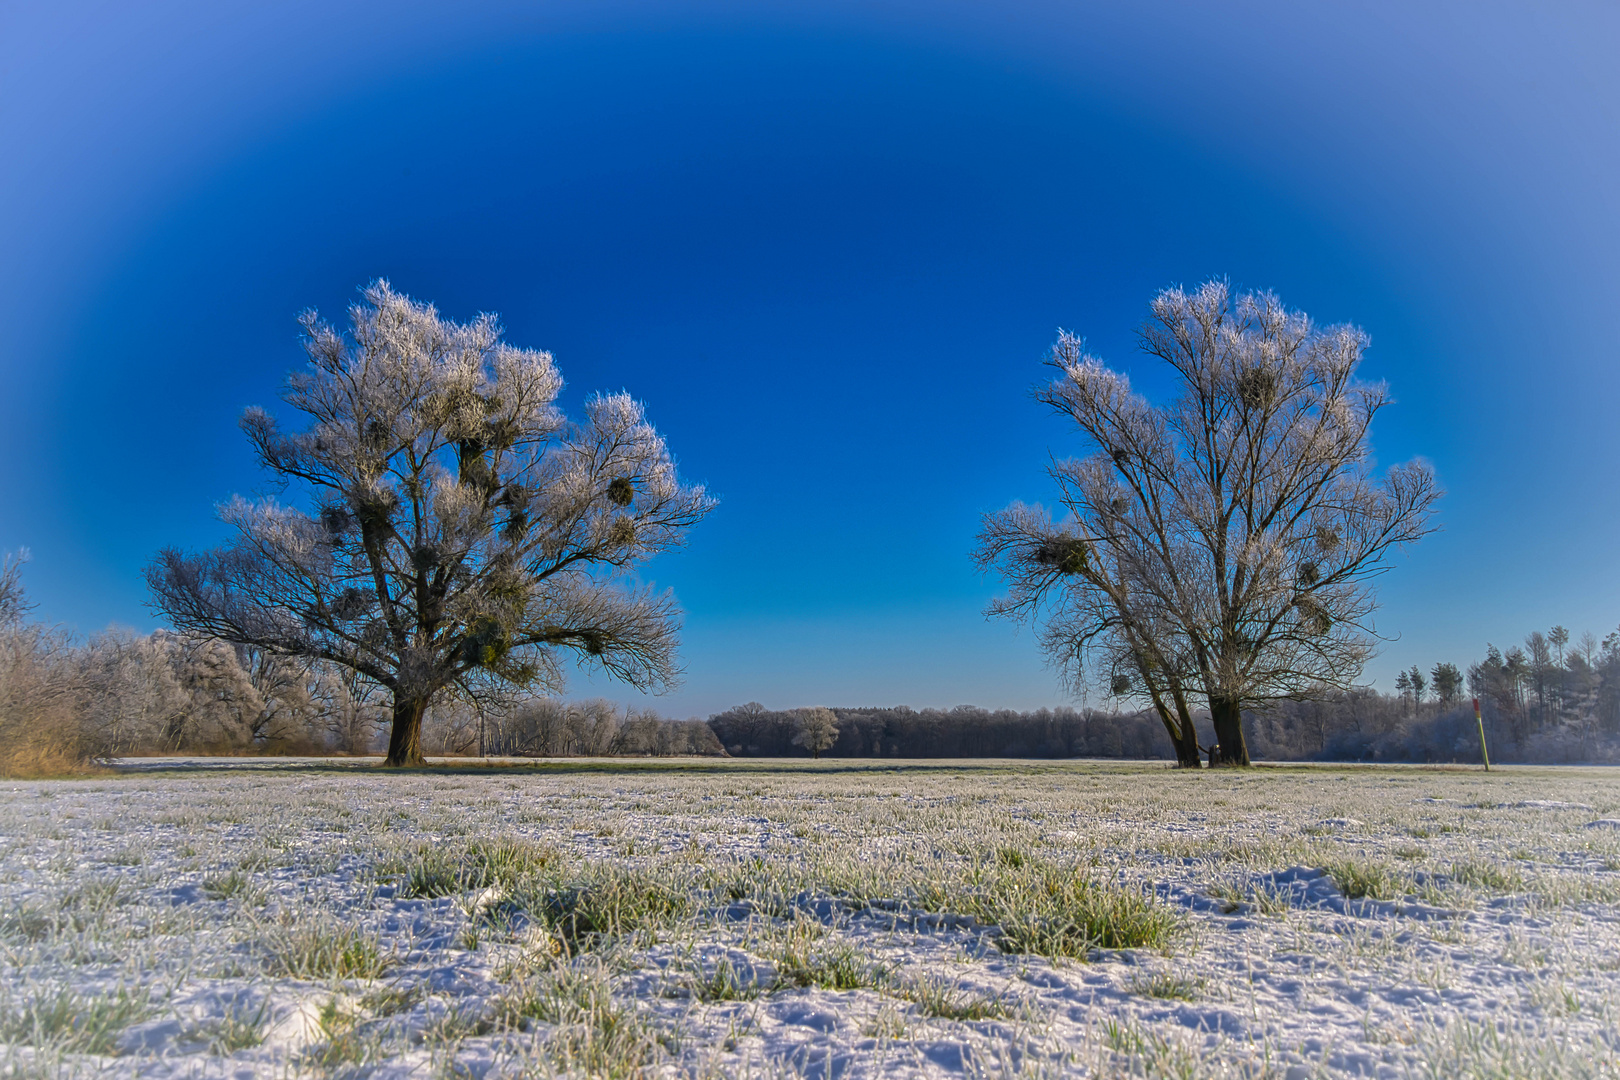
751,918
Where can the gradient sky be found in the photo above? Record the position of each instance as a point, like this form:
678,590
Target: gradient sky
827,243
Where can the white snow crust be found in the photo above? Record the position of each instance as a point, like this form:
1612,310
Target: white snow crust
1326,921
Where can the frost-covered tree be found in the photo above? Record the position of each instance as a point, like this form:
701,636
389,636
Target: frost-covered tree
1538,650
815,730
1558,638
461,533
1225,541
42,727
137,702
351,714
224,704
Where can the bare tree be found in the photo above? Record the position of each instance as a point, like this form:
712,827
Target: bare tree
815,730
1092,613
1223,543
534,726
135,697
349,709
222,706
294,715
42,691
461,531
14,602
450,727
639,734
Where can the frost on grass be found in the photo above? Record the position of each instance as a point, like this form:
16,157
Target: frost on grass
781,919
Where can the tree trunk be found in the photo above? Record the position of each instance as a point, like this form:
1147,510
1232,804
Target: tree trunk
1182,736
1187,756
405,742
1230,749
1180,729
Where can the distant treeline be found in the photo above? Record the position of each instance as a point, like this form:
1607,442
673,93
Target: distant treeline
1362,725
963,732
1549,700
121,694
546,727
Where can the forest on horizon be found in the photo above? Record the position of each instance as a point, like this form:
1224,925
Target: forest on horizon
1552,699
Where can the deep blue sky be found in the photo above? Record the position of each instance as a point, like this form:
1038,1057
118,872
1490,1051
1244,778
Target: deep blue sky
827,243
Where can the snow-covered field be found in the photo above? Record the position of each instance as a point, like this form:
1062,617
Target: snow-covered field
781,919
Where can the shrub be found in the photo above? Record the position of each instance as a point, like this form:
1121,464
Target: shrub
42,729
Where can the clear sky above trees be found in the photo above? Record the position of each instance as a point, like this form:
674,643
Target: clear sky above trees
828,245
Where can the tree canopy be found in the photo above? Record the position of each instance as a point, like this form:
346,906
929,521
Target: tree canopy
461,533
1222,544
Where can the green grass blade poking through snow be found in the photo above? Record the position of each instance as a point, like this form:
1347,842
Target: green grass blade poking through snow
1057,911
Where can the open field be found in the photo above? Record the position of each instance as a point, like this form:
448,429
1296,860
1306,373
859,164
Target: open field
781,918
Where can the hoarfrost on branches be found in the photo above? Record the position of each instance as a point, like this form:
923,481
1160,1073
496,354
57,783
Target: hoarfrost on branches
461,532
1223,544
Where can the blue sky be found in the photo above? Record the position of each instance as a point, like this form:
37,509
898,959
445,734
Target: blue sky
827,243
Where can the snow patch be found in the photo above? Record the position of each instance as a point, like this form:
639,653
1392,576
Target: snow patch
1276,970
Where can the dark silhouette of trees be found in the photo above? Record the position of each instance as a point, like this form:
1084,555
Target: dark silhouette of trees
1448,682
962,732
